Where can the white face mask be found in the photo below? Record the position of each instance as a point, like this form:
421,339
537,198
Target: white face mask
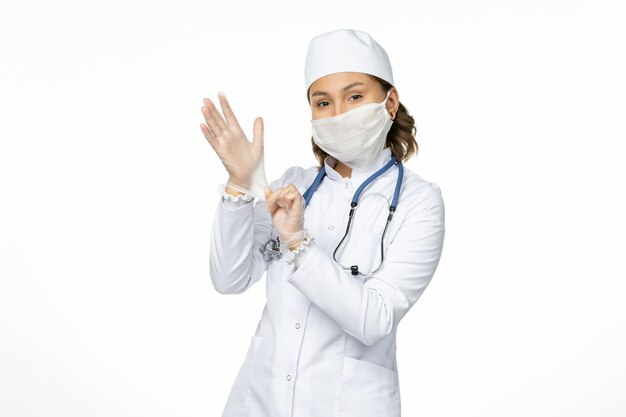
354,137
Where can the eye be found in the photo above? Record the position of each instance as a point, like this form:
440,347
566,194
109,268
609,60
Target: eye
320,102
356,95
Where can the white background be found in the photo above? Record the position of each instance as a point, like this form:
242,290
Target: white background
108,190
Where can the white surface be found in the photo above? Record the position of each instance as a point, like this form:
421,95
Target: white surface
108,189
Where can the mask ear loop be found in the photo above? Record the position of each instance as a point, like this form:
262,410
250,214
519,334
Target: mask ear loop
388,94
391,116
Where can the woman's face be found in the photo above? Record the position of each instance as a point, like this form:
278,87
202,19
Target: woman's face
336,93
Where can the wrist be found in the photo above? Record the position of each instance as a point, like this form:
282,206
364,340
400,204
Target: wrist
232,191
293,246
297,256
235,188
294,240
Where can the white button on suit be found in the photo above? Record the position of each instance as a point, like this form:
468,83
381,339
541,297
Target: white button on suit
325,345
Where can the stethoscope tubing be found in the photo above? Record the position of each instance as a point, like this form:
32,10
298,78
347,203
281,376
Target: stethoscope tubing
355,200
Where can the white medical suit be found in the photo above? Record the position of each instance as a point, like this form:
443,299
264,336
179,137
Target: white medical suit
325,345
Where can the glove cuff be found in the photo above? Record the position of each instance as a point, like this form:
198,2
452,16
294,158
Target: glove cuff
242,188
296,255
295,237
232,201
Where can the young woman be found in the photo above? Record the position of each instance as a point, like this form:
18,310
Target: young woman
348,246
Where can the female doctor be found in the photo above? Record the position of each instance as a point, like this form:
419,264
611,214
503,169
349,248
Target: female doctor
348,246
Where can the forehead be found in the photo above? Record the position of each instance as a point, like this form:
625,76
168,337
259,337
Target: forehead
339,80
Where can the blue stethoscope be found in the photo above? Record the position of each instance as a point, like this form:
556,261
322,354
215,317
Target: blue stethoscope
272,251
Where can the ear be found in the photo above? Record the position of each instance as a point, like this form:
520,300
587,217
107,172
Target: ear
393,102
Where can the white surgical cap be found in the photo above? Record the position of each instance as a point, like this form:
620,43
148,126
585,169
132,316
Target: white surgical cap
345,50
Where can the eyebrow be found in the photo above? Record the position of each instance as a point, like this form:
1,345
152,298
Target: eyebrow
347,87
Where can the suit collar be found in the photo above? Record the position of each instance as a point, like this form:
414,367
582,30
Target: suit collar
357,176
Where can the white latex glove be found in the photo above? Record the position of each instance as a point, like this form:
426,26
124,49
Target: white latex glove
286,205
244,160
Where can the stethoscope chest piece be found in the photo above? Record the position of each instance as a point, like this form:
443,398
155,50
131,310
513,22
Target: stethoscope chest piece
271,251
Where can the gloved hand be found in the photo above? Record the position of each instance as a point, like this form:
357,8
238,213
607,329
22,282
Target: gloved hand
286,205
244,160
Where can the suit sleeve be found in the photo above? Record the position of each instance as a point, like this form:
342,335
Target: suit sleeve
370,311
241,227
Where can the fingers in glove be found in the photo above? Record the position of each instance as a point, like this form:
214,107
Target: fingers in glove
286,197
231,120
212,128
281,200
297,203
214,119
282,197
257,132
275,200
208,135
270,200
292,197
268,193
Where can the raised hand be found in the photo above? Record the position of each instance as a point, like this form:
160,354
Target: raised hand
243,160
